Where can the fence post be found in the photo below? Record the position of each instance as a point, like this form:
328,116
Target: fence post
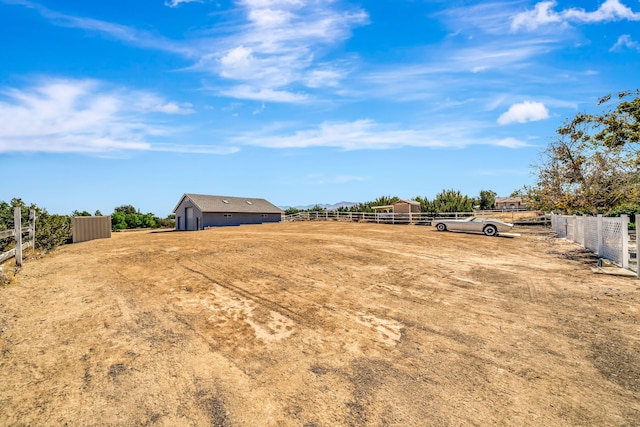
32,229
17,221
600,234
624,224
638,245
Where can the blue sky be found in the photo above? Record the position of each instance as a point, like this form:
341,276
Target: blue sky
104,103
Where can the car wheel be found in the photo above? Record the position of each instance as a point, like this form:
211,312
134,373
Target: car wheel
441,227
490,230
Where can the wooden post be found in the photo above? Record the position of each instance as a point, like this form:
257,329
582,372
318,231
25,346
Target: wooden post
17,223
638,245
32,229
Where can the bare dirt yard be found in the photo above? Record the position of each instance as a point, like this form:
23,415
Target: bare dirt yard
319,324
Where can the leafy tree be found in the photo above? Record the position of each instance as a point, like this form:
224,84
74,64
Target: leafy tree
78,213
487,199
452,201
385,200
118,221
126,209
133,220
291,210
51,230
425,204
97,213
148,221
594,163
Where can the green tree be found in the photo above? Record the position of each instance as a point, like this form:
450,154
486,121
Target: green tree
97,213
148,221
593,165
425,204
78,213
385,200
316,208
487,199
118,221
133,220
126,209
291,210
452,201
51,230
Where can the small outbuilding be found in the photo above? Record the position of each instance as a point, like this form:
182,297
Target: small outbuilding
199,211
399,207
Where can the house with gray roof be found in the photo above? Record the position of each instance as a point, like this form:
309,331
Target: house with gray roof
199,211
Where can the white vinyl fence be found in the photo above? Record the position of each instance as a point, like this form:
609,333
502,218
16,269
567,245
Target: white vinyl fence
607,237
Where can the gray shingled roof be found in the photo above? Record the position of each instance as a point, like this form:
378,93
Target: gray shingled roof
229,204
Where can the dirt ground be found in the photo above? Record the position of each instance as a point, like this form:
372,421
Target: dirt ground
319,324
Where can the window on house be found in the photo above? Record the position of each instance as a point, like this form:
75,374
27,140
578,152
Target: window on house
265,215
228,215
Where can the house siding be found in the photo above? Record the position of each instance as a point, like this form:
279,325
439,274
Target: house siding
182,223
218,219
201,220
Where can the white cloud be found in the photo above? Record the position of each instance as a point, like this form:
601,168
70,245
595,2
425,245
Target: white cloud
524,112
258,94
84,116
369,135
543,14
280,46
174,108
176,3
277,44
124,33
625,41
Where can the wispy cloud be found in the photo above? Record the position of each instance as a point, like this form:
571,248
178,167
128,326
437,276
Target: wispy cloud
278,45
85,116
176,3
527,111
141,38
371,135
544,13
625,41
274,45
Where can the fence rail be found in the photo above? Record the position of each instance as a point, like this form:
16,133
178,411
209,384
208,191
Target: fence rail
607,237
17,234
517,217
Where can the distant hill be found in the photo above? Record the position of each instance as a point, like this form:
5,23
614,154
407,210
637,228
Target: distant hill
327,207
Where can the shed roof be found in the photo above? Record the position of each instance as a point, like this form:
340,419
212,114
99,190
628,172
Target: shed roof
411,202
508,199
229,204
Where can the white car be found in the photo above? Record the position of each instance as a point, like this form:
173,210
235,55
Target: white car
490,227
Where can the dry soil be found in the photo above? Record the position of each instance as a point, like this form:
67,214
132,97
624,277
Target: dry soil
319,324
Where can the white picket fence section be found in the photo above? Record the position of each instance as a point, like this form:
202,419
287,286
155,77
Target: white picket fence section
607,237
